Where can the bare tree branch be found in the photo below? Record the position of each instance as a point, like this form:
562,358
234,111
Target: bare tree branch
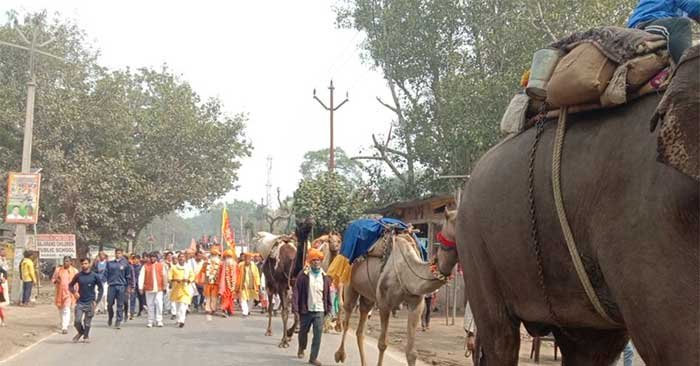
366,158
386,148
393,109
547,29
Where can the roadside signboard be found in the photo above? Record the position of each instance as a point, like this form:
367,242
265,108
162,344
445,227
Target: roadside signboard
22,198
55,246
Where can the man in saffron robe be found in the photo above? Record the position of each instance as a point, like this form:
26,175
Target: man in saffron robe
65,299
227,283
211,282
181,277
248,283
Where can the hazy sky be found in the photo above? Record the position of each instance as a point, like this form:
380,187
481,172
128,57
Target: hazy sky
259,57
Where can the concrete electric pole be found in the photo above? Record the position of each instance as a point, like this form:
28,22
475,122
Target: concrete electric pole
33,48
331,109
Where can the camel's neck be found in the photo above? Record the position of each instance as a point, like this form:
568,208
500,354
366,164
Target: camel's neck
414,274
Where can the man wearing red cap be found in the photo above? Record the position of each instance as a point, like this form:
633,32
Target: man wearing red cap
312,301
227,283
248,282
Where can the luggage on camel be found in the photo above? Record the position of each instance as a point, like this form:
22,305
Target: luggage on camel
359,240
598,68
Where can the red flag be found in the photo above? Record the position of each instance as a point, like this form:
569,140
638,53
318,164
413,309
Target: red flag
227,235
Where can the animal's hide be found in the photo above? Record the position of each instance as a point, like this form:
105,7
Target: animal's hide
618,44
679,116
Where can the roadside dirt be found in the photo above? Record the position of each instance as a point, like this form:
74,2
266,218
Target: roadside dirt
445,344
27,325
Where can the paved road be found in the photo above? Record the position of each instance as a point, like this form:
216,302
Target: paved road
221,342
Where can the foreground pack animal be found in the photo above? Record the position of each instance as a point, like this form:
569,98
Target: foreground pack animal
392,274
632,201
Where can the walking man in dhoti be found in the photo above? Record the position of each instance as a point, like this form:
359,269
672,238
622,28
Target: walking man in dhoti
181,277
65,299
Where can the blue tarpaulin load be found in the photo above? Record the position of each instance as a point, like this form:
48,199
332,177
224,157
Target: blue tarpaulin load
358,239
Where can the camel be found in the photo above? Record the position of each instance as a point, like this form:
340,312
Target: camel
329,244
392,273
279,278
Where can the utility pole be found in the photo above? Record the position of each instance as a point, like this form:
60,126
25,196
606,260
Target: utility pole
331,109
33,48
268,183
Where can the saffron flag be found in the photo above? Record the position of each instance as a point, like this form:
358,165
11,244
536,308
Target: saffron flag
227,235
193,245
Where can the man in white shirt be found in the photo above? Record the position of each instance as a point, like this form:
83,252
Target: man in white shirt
153,282
312,301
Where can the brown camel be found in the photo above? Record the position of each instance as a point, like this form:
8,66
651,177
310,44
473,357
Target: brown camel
632,200
279,278
391,274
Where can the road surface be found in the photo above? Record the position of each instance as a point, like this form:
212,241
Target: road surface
222,342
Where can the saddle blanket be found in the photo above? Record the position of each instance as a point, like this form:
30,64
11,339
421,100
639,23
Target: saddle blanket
359,239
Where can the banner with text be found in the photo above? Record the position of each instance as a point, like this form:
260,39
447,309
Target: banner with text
55,246
22,198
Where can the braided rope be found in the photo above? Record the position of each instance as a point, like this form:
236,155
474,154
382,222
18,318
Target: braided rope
564,222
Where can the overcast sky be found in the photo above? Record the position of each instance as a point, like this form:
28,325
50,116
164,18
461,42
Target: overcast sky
259,57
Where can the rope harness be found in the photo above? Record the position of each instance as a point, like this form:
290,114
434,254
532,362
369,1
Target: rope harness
563,221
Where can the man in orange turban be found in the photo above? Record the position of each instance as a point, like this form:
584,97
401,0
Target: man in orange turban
314,254
311,300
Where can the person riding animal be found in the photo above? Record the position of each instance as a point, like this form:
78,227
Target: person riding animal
670,18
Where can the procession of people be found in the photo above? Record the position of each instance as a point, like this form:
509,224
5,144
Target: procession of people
174,284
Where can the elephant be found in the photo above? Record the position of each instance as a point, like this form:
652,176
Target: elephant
632,201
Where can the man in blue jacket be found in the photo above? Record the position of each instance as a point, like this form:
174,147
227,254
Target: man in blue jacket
669,18
87,281
118,276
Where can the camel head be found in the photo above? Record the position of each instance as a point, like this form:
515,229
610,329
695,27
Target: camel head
677,116
334,242
303,229
447,253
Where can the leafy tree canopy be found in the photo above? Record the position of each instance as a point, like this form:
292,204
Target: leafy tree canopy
451,67
316,162
117,148
332,200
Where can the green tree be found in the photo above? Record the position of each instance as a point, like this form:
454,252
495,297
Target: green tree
451,67
116,148
316,162
330,199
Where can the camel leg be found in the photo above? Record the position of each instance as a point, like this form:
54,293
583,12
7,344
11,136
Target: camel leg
294,327
415,312
384,315
270,295
351,296
366,306
590,347
284,343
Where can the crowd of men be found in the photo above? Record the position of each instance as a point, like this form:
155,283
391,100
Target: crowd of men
172,284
